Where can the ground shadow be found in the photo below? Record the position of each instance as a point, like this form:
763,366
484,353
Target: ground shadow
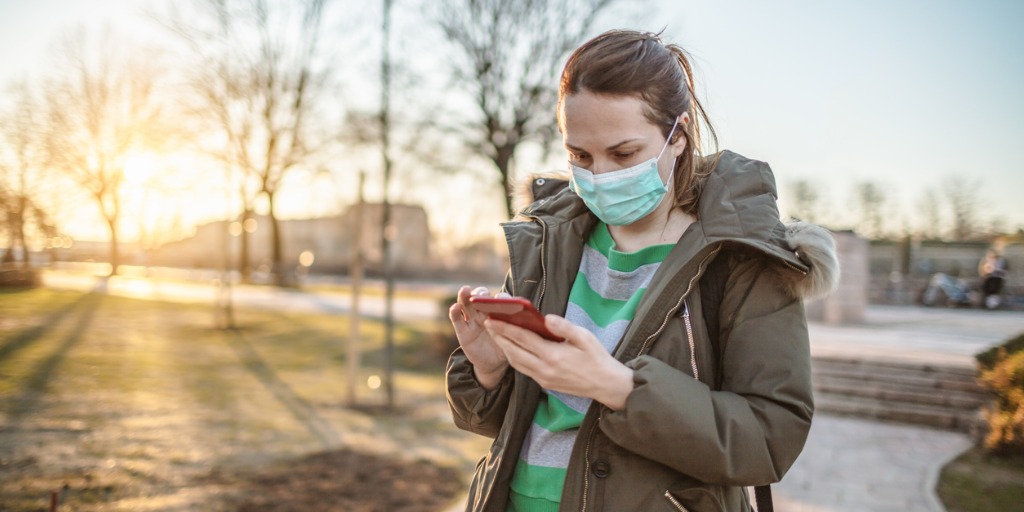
38,380
25,337
265,374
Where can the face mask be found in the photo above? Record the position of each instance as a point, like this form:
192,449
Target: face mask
622,197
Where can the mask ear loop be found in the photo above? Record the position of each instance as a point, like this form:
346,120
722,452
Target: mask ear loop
663,148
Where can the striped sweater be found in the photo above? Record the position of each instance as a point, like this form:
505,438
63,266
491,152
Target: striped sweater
603,299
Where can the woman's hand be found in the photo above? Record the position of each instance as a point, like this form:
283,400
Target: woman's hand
489,362
578,366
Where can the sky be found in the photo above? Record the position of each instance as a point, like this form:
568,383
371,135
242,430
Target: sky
906,94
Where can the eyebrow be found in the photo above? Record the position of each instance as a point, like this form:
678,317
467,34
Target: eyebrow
609,148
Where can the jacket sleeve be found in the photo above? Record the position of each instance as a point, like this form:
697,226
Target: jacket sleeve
474,408
751,431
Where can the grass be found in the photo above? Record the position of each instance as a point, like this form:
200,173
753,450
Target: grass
976,482
134,403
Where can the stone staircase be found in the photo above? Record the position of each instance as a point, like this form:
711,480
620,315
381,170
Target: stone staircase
939,396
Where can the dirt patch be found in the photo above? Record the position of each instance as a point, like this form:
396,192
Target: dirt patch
345,480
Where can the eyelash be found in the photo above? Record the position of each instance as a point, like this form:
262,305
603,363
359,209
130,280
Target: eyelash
584,156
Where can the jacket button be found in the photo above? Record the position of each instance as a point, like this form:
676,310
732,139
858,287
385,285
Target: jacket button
601,469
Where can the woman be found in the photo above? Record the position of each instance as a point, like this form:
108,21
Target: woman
685,370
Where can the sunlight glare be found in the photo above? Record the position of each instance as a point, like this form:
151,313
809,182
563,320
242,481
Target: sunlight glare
139,166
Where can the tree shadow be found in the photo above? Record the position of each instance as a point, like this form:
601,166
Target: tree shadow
25,337
301,409
38,380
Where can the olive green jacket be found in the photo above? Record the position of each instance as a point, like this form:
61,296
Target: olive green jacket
697,427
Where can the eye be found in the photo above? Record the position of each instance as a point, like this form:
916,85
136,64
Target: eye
622,155
578,157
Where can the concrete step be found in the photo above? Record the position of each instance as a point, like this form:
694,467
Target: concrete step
946,397
938,417
889,392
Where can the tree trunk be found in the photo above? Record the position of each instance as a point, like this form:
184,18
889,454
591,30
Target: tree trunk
277,259
19,231
244,268
115,257
503,161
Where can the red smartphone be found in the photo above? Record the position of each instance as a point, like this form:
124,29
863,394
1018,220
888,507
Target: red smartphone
516,311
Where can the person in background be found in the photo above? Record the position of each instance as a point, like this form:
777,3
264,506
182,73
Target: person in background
684,374
992,269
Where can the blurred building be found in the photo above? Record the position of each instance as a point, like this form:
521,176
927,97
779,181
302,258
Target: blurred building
329,242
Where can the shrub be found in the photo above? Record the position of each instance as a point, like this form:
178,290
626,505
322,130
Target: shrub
1005,417
988,358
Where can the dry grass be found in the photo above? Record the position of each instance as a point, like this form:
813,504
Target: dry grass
136,405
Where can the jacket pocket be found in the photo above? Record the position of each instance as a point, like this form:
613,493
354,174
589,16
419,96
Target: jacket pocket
695,499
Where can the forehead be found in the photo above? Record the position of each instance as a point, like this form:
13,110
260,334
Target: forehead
589,118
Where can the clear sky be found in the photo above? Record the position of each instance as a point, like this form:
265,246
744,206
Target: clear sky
902,93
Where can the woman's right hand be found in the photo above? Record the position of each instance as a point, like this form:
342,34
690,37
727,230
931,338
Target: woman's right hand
489,362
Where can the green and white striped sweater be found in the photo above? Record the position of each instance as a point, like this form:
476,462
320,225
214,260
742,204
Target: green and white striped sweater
603,300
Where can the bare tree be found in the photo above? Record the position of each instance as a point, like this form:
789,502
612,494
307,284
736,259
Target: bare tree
870,200
805,203
258,78
930,214
100,107
511,52
964,203
22,174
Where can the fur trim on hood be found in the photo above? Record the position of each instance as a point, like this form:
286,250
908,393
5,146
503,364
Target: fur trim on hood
537,186
816,247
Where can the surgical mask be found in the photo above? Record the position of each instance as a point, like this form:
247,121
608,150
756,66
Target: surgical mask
622,197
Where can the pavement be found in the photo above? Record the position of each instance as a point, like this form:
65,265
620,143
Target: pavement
848,464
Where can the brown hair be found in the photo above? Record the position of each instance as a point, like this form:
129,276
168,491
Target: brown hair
638,64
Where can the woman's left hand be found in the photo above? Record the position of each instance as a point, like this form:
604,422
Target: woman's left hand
578,366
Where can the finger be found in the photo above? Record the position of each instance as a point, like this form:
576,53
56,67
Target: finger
481,291
518,357
457,314
562,327
524,338
503,295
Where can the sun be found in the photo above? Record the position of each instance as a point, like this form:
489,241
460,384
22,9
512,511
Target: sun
139,166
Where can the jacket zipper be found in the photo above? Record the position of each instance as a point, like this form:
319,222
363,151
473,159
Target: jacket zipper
675,502
689,337
586,469
682,299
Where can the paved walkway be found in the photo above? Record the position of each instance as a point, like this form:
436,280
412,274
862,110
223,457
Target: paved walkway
848,465
852,464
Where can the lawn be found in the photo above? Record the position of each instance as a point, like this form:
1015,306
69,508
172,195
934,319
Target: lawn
976,482
123,404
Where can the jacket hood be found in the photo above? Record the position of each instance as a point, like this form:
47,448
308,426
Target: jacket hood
738,205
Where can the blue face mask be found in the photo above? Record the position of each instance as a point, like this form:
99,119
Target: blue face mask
622,197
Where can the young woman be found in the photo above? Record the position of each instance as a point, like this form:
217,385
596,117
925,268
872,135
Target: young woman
684,374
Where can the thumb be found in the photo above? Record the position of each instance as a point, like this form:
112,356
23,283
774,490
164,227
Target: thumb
563,328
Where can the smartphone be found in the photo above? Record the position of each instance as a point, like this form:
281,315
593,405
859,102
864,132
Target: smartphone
516,311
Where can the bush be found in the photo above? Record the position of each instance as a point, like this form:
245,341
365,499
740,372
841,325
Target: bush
988,358
1003,373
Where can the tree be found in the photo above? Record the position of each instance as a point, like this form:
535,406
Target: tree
257,78
805,202
100,108
22,174
930,214
962,195
511,53
870,201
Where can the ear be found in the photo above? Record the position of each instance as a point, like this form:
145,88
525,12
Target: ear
679,140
